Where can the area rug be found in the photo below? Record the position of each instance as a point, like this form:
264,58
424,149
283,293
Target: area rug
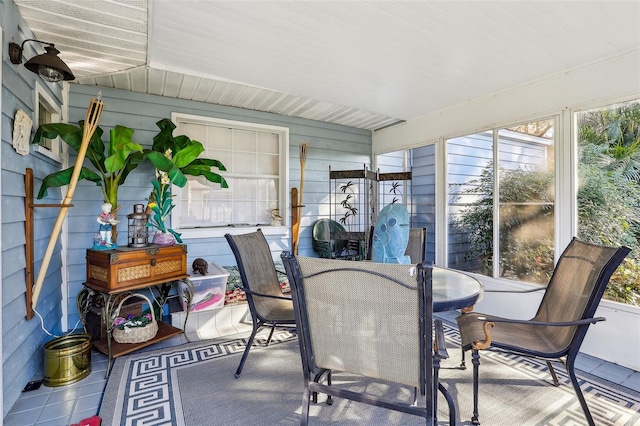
194,385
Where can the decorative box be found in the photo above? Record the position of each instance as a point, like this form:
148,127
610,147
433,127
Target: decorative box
112,271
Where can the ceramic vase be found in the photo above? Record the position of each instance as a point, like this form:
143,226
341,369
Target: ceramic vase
164,239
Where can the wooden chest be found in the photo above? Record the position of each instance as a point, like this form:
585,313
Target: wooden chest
113,271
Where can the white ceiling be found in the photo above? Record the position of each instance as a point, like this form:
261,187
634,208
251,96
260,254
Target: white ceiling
366,64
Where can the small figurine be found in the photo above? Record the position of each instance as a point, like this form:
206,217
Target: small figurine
106,219
201,266
276,219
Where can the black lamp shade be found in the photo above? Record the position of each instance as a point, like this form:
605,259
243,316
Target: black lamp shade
50,66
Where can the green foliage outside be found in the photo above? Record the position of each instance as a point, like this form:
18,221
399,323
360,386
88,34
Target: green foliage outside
609,191
608,205
526,223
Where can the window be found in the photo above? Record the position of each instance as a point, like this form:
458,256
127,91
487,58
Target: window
511,227
47,111
256,159
503,227
608,195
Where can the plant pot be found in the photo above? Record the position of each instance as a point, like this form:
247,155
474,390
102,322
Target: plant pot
67,359
164,239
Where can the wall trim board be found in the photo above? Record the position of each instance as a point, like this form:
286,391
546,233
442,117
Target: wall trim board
1,248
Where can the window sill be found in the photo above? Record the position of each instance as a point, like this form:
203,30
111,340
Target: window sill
198,233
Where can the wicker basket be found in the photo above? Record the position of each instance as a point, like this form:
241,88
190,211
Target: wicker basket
136,334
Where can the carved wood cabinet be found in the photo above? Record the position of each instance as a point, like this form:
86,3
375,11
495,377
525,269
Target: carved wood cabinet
113,274
118,270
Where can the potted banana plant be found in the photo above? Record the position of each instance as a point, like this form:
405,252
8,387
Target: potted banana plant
114,159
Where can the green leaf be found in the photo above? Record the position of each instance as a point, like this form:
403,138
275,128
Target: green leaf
118,161
133,161
73,134
156,186
118,137
210,176
175,234
209,163
166,205
164,138
95,150
120,146
177,177
63,177
181,141
187,154
159,161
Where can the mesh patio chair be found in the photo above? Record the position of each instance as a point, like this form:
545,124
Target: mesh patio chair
416,248
368,250
561,322
417,251
380,328
268,306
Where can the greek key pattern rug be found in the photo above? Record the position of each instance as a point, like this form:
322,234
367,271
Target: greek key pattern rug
193,385
143,387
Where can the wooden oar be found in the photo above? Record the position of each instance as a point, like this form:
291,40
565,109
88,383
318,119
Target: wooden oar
90,124
295,221
299,206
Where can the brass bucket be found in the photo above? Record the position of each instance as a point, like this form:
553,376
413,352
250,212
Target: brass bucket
67,359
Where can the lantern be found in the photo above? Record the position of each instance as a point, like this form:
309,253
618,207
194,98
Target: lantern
137,231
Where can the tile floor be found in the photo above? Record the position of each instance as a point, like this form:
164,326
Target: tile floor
65,405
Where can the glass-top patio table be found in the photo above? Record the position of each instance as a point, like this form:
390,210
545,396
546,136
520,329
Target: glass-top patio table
454,290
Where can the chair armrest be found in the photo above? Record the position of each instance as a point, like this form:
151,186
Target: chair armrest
440,347
491,322
270,296
545,323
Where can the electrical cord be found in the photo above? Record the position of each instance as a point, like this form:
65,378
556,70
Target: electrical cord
48,332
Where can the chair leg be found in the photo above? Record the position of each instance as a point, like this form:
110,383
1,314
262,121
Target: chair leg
436,385
314,394
553,374
576,387
440,353
463,365
317,378
329,398
450,403
304,419
475,360
273,328
256,326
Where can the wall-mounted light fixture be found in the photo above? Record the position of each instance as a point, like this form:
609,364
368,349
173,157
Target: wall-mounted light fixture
48,64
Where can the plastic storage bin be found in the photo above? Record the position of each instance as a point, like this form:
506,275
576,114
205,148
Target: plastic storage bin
209,289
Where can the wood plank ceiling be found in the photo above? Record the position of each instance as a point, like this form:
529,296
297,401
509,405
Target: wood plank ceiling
365,64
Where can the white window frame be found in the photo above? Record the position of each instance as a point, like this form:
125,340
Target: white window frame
283,189
558,172
54,108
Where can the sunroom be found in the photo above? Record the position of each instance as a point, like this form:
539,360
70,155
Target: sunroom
456,93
